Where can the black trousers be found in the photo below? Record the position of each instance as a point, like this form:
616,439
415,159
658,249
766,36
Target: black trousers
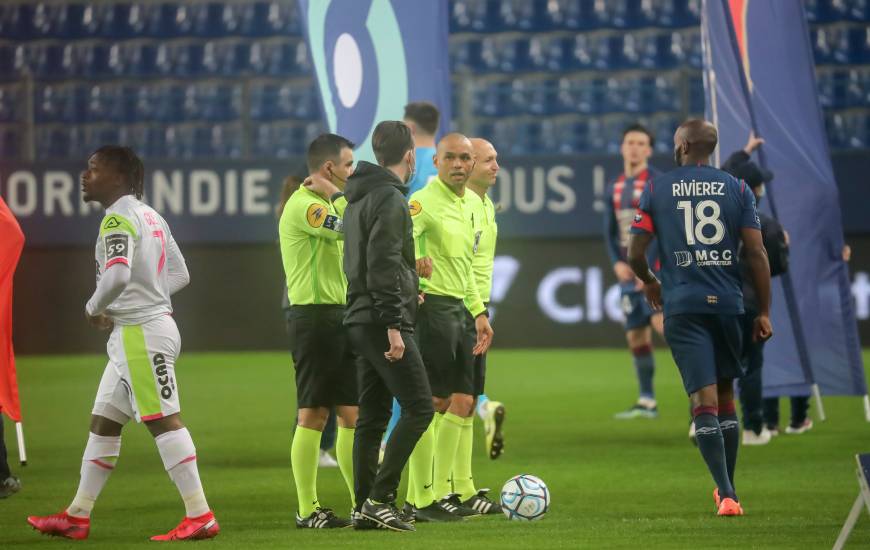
750,385
4,466
380,381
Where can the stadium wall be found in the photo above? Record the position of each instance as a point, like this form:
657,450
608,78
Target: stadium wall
547,293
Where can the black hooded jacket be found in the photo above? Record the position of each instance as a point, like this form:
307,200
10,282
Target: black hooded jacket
379,260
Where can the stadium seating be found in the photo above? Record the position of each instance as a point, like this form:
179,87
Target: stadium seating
234,78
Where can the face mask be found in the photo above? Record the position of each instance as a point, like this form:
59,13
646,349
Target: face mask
412,171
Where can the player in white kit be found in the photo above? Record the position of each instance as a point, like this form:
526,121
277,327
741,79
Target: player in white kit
139,266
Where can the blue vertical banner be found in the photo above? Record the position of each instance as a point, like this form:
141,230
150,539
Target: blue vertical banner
372,57
759,76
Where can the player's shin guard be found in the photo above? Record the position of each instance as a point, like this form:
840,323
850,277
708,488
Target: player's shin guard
645,368
463,483
101,454
304,454
712,447
729,423
420,492
446,445
344,455
179,459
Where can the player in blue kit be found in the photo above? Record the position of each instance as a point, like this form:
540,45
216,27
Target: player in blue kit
700,216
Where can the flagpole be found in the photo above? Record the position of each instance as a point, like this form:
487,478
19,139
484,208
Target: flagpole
22,452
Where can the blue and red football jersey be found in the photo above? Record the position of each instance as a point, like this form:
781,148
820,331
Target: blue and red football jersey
696,214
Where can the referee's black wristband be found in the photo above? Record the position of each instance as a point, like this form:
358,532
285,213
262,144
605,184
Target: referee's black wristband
336,196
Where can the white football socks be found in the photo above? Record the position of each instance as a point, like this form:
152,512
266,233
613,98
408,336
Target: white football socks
179,458
101,454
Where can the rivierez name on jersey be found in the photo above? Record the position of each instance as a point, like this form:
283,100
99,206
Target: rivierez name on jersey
697,188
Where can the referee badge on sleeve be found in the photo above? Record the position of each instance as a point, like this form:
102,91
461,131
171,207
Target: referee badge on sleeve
316,215
415,207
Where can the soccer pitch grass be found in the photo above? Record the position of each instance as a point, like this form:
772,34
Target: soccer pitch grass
614,484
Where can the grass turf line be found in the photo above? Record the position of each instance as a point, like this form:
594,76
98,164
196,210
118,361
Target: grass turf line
614,484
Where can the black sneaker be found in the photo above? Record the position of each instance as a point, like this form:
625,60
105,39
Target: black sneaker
408,514
483,504
384,515
362,524
452,504
322,518
436,512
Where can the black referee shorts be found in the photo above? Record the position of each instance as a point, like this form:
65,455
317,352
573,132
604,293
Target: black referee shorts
478,361
322,357
444,345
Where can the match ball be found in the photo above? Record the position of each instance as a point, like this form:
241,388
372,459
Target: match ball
525,498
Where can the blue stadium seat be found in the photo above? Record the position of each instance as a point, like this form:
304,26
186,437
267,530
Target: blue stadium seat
563,15
7,62
274,58
179,142
518,15
663,128
10,144
101,102
270,19
831,45
117,21
224,58
11,104
606,52
226,141
97,136
632,54
168,101
861,45
152,141
558,136
50,61
859,10
55,142
471,16
546,53
614,94
465,56
697,98
491,99
858,88
667,92
92,59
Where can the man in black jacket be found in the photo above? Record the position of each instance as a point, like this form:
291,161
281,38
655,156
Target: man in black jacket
776,242
381,313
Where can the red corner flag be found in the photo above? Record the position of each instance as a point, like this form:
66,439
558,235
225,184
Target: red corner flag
11,243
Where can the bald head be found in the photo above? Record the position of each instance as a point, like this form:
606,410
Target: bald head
694,141
454,160
485,165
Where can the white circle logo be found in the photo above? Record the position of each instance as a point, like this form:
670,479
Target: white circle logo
347,64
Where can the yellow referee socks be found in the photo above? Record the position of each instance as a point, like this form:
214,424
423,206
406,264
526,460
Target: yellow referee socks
420,470
344,456
446,444
463,483
304,454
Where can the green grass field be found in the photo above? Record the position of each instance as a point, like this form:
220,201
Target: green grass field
636,484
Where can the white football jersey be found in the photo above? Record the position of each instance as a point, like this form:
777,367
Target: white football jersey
134,234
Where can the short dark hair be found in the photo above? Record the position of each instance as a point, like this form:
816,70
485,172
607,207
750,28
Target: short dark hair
325,147
642,129
127,163
390,141
424,114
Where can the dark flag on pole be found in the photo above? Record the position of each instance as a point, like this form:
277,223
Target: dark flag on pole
759,76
